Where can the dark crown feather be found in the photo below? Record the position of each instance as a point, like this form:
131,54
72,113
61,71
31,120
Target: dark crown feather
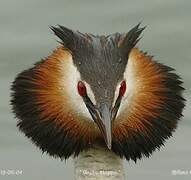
70,39
74,39
130,39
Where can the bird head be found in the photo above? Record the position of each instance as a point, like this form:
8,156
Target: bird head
98,89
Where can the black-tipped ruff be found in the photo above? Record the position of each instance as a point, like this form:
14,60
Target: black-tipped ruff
39,100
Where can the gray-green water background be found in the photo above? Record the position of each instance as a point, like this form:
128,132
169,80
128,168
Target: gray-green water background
25,38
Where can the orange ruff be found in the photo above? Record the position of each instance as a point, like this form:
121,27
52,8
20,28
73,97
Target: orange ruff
52,99
146,99
47,116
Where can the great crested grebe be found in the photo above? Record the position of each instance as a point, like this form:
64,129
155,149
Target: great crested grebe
98,99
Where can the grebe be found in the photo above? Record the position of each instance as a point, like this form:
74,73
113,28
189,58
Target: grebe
98,99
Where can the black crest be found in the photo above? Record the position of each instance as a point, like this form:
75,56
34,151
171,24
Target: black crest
74,40
130,39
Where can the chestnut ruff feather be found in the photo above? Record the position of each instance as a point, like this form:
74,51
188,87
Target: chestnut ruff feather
46,116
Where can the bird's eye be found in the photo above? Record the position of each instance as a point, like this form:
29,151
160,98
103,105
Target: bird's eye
81,88
122,88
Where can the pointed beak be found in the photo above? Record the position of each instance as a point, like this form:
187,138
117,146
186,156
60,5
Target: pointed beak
104,123
102,116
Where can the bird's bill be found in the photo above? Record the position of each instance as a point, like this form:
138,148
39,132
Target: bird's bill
104,123
103,119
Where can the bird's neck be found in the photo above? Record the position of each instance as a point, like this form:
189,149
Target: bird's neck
100,164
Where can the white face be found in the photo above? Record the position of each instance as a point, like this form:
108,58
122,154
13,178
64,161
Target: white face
130,79
72,77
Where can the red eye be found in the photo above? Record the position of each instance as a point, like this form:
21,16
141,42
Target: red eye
122,88
81,88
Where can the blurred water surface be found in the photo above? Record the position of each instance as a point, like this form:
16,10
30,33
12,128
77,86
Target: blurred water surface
25,38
